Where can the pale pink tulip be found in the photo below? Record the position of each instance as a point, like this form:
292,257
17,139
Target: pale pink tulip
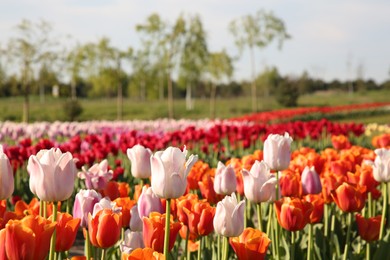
381,166
132,241
277,151
84,203
97,176
259,183
148,202
229,217
135,221
169,172
225,181
52,174
105,203
311,183
6,176
140,161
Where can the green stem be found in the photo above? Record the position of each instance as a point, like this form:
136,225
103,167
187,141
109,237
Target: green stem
276,226
141,183
292,249
53,238
68,206
270,231
258,207
103,254
225,252
246,213
87,246
167,228
186,251
219,247
368,251
41,208
45,209
200,248
346,248
369,206
310,242
277,185
384,194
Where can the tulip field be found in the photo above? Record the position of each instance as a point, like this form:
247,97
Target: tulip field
272,185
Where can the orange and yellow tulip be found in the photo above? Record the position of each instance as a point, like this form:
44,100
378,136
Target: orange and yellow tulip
293,214
143,254
126,204
104,228
251,244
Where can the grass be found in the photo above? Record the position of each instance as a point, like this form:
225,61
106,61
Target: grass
106,109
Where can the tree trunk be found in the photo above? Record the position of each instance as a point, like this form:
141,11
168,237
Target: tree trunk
73,90
160,89
189,101
253,88
26,105
120,102
213,93
170,96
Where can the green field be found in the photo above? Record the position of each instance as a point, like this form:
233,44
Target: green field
106,109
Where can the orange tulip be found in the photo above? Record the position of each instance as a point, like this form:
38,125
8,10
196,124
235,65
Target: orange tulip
251,244
3,254
22,208
368,227
206,187
111,190
126,204
290,184
293,214
318,207
185,202
330,182
340,142
66,231
104,228
196,174
28,238
143,254
154,230
349,197
365,178
124,189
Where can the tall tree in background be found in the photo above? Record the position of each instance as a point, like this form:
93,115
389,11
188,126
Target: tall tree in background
194,57
165,40
219,66
32,46
257,31
74,63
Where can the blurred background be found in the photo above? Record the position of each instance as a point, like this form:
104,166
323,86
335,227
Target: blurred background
100,59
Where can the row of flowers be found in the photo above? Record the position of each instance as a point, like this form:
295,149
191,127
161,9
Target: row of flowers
243,203
284,114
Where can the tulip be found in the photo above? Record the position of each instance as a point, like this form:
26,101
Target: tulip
225,181
97,176
381,166
66,231
251,244
28,238
104,228
132,241
52,174
169,172
259,183
154,229
6,176
105,203
293,213
340,142
140,161
349,197
143,254
126,204
368,228
84,203
135,220
277,151
229,217
148,202
206,187
200,218
290,184
318,207
311,183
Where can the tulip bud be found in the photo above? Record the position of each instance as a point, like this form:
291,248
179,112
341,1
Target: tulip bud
148,202
169,172
277,151
104,228
140,161
6,176
97,176
311,183
225,181
229,217
84,203
381,167
135,220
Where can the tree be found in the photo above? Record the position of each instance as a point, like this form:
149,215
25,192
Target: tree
257,31
219,67
32,46
194,57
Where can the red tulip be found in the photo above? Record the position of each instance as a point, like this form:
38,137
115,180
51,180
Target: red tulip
368,227
349,197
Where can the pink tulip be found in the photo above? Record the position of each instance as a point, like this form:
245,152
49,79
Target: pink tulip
52,174
105,203
229,217
169,172
84,203
132,241
6,176
97,176
140,161
148,202
277,151
225,181
135,221
259,183
311,183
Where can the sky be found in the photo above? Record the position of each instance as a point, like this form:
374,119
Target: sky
331,39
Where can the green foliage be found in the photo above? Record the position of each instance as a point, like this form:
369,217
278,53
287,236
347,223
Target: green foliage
72,109
287,93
